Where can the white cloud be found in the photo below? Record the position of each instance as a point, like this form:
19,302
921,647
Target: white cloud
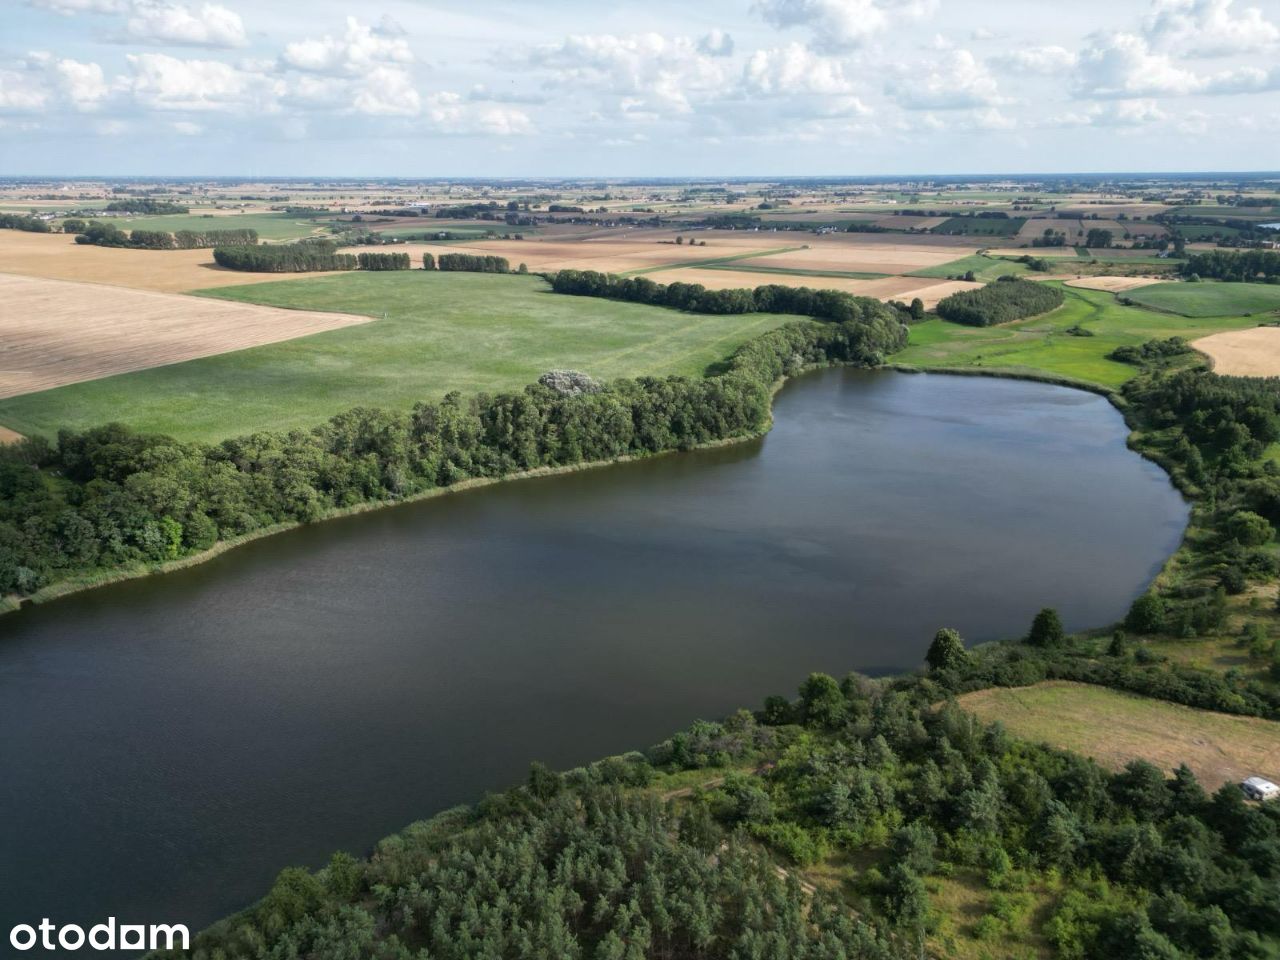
1122,65
163,22
839,25
791,70
1045,61
1208,28
1117,113
162,82
387,91
82,83
449,113
359,48
21,92
955,82
186,128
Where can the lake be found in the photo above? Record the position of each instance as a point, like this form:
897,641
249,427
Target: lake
171,743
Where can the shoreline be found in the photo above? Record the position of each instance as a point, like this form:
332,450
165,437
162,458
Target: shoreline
80,584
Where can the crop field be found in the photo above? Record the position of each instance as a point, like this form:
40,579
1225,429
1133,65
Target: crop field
1042,345
56,256
57,332
1244,353
1111,284
1210,299
442,332
1219,748
883,255
986,269
980,226
883,288
270,226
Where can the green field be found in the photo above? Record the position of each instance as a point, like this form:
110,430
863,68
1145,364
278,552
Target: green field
270,226
1209,298
788,272
1041,345
443,331
985,269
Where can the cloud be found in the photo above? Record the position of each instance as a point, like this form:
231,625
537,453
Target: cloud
841,25
387,91
792,70
1117,113
186,128
956,81
1122,65
717,43
162,82
360,47
1208,28
82,83
1044,61
482,94
162,22
449,113
21,92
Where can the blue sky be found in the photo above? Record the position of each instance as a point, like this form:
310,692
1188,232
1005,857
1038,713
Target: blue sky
716,88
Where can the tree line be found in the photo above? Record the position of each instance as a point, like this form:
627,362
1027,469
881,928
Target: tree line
1009,298
770,298
104,233
469,262
1250,265
302,257
383,261
18,221
108,498
146,205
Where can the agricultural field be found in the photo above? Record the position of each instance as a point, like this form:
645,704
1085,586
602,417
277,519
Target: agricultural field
1042,345
270,226
58,332
1219,748
1111,284
980,226
1210,298
1243,353
433,333
56,256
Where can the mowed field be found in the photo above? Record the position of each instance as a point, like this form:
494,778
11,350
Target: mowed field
442,332
1114,727
1243,353
1042,345
1111,284
58,332
58,257
1210,299
270,226
882,288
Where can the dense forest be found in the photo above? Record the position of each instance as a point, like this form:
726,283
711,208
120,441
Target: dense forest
109,498
1245,266
770,298
1007,299
604,862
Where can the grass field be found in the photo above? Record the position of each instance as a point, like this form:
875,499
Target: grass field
986,269
1041,345
270,226
981,226
1218,747
1210,299
442,332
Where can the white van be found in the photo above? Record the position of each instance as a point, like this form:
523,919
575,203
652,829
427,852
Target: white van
1255,788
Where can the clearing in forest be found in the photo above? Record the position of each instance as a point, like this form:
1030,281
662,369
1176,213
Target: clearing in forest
1114,727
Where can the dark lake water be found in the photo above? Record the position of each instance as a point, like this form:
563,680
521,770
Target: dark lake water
169,744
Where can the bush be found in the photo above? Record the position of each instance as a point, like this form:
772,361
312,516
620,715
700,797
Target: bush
1249,529
1146,615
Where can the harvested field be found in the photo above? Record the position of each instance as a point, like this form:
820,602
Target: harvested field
884,288
9,436
1047,253
56,332
1114,727
1243,353
1113,284
56,256
870,257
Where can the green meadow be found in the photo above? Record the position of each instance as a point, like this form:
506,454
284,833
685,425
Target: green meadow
441,332
1042,346
270,226
1209,298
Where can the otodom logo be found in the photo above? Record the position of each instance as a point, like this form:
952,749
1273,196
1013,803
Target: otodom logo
108,935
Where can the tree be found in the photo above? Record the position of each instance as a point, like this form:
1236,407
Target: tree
821,702
1249,529
428,262
947,651
1046,629
73,226
917,309
1146,614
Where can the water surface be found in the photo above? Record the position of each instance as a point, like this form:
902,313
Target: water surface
170,743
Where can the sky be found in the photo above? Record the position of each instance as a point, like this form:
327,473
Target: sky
565,88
